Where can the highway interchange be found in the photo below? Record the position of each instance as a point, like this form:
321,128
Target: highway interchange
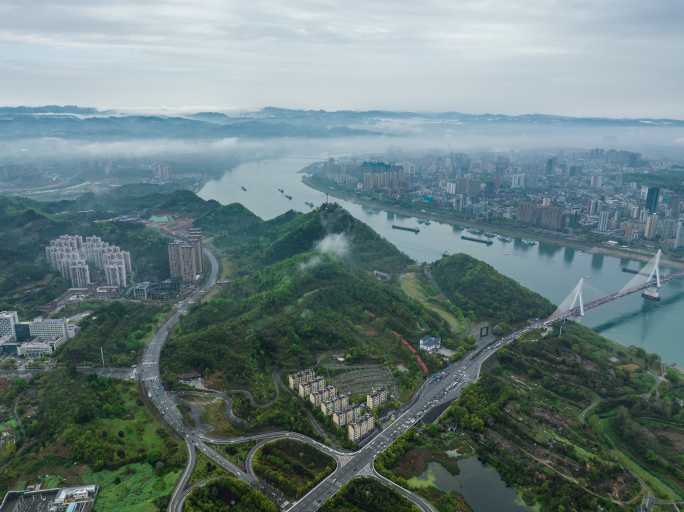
437,390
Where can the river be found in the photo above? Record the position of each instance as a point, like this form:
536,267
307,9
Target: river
549,269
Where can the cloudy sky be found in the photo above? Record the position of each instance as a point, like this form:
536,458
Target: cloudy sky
576,57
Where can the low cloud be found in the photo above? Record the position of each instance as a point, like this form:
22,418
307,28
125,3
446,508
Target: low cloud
336,244
310,263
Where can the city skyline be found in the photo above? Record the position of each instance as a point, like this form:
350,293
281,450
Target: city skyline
613,59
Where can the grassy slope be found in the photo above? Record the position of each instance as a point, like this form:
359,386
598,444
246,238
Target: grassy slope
415,287
120,328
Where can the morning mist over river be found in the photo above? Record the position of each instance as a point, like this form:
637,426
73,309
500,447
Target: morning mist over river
550,269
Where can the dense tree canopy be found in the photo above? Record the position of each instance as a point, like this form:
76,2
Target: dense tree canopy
479,290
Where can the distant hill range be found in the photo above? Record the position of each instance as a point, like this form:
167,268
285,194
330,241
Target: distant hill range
70,121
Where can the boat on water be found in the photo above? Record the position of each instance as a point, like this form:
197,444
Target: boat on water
281,191
490,235
476,232
309,204
478,240
403,228
289,197
504,239
243,189
529,242
651,294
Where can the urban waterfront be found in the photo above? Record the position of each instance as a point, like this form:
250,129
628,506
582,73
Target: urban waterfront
550,269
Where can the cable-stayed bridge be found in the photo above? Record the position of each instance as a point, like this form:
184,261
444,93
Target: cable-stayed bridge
647,281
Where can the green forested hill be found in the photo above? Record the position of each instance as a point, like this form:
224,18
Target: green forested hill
231,219
286,313
366,247
482,292
253,244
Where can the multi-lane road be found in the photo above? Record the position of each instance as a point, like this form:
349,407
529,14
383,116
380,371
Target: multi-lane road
437,390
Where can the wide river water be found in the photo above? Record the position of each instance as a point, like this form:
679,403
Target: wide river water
549,269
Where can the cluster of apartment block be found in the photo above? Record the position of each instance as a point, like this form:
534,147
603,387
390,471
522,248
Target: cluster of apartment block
73,255
185,257
357,418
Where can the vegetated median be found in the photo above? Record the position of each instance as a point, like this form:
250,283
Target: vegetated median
367,495
292,466
227,493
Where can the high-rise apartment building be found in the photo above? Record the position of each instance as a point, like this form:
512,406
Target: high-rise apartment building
651,226
115,269
652,197
518,181
596,181
603,221
679,235
195,238
72,256
8,319
185,257
79,274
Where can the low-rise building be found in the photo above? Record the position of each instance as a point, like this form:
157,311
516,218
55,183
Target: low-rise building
36,499
335,405
376,398
361,428
141,291
49,327
325,394
306,388
295,379
349,414
430,343
40,346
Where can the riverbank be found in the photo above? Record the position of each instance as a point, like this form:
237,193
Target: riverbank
511,231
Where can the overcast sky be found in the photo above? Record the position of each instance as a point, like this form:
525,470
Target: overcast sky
576,57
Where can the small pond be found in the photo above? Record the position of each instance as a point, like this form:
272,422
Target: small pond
480,485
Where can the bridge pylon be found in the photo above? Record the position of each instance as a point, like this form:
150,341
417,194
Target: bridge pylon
655,271
573,300
577,297
646,275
